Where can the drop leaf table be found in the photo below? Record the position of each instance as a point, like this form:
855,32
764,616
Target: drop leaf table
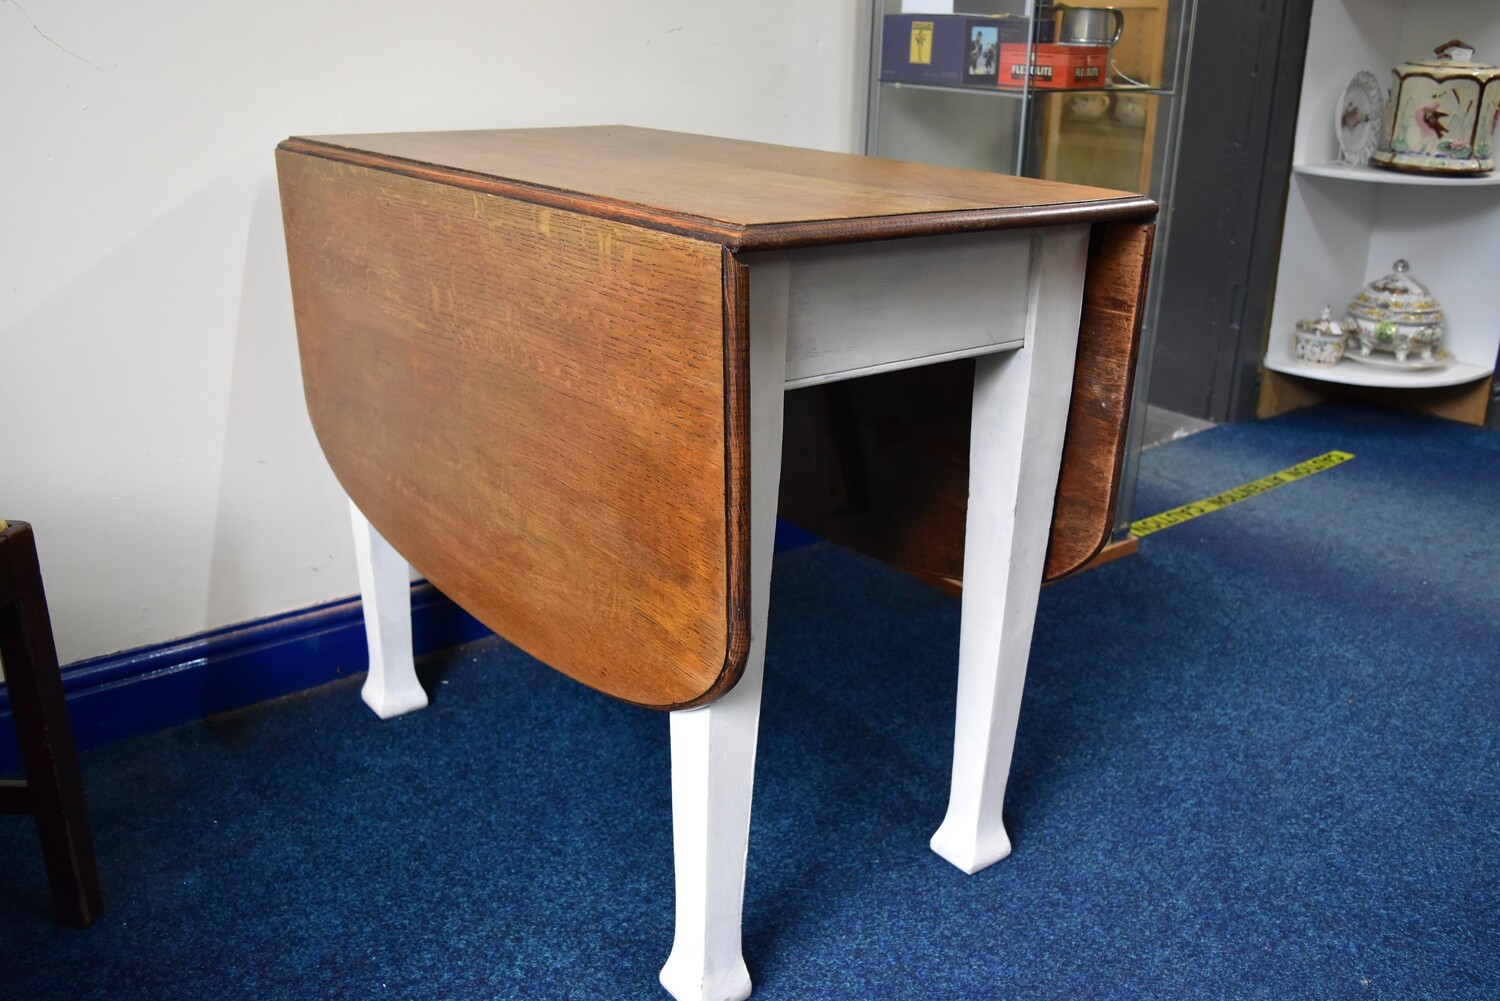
551,368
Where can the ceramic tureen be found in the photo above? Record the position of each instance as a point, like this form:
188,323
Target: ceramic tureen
1441,115
1398,314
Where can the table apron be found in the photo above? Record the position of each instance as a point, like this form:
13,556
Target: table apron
861,309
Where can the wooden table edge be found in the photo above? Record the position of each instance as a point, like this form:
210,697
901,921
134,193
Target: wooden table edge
737,237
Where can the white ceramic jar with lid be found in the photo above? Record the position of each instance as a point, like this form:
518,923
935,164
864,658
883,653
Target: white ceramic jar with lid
1320,341
1441,115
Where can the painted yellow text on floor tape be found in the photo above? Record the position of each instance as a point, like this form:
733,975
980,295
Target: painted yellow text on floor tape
1187,512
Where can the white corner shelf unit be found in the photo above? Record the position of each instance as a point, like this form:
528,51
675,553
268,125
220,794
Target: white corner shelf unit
1345,225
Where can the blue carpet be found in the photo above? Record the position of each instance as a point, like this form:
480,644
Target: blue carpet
1257,760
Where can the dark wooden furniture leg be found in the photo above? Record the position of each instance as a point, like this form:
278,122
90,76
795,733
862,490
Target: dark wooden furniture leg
52,791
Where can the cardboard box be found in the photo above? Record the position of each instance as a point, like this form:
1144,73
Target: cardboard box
951,50
1055,67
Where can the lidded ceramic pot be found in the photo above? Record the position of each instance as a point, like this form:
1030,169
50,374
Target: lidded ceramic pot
1320,341
1395,313
1441,115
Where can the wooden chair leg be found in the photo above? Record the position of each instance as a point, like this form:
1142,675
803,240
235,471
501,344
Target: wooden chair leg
53,790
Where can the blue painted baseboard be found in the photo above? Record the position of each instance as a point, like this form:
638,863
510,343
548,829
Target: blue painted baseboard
154,687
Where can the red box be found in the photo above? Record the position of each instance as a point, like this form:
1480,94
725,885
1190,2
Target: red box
1055,67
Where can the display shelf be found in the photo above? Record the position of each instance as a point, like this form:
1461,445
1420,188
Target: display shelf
1017,93
1347,225
1007,93
1374,175
1279,358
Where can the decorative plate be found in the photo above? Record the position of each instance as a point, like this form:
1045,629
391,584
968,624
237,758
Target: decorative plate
1440,359
1358,119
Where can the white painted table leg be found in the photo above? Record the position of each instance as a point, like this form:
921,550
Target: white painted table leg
1020,410
713,747
391,688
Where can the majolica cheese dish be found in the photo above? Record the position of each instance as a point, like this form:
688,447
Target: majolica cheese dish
1441,115
1397,314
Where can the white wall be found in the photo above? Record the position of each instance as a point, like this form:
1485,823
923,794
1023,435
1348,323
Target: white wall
151,419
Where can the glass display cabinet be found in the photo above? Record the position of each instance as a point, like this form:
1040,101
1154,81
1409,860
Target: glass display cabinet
1089,95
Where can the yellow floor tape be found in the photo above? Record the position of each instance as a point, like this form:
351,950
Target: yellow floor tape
1188,512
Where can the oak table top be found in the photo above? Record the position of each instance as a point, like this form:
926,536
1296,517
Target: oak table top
524,354
743,195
